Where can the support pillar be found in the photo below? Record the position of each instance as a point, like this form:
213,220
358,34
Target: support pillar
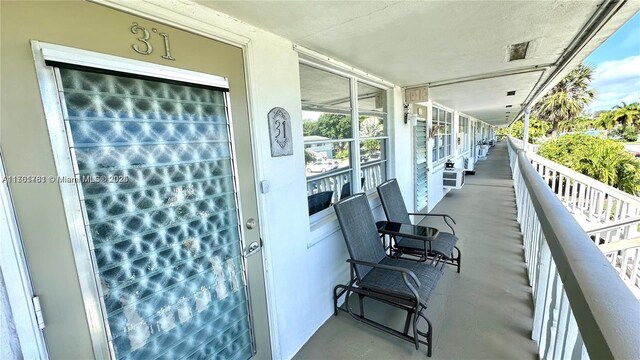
525,132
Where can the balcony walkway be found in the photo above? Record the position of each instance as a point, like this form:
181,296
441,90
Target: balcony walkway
483,313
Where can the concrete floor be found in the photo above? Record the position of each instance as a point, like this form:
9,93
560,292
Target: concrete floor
483,313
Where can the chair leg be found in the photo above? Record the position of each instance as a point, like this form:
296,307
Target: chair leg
429,338
459,258
416,338
429,334
407,323
335,300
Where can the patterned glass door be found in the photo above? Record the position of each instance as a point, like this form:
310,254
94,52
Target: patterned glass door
158,192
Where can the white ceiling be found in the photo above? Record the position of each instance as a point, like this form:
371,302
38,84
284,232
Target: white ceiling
421,42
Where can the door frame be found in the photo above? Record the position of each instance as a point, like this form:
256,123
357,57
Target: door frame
75,214
17,278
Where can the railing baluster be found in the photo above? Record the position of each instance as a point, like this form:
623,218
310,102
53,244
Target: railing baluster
561,327
571,332
543,280
546,329
618,211
635,268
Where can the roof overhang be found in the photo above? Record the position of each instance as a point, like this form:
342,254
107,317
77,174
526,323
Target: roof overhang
459,49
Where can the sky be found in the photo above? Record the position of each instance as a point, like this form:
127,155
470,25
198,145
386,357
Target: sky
617,67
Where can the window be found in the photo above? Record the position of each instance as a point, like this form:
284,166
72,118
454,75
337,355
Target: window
443,133
341,155
372,135
464,132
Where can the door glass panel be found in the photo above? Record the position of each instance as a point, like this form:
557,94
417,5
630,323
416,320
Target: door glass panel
154,164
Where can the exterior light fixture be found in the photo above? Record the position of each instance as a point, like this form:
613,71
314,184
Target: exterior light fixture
406,112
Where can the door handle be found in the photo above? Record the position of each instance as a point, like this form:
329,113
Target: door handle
253,248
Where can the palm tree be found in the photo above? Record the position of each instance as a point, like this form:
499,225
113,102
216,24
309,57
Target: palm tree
567,99
627,114
607,120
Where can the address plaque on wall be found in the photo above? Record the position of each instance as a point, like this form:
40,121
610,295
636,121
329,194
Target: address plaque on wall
280,132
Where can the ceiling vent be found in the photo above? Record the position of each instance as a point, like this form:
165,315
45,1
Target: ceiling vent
518,51
511,93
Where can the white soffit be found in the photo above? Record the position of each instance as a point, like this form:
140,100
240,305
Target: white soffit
487,99
420,42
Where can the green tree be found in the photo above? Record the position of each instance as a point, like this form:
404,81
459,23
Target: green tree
581,123
309,127
370,126
369,146
537,129
308,156
565,101
606,120
333,126
627,115
602,159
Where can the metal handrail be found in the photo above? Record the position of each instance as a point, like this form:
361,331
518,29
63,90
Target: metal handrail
620,245
613,225
609,329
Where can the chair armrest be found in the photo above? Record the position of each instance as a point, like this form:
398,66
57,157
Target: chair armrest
444,216
404,271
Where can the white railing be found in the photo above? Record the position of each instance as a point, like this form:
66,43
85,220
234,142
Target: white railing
531,148
590,201
620,243
582,309
604,212
372,175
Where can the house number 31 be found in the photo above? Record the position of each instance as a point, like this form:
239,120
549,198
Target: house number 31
146,48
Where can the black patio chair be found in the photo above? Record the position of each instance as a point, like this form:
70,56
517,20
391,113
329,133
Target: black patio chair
320,201
345,192
404,284
396,211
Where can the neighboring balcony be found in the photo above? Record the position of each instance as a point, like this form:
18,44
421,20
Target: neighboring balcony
550,293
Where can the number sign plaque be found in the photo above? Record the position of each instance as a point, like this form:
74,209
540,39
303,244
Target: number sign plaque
280,132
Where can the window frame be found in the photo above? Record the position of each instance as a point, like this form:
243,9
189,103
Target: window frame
464,127
443,132
323,216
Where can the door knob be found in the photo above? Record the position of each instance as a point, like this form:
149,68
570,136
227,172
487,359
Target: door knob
251,223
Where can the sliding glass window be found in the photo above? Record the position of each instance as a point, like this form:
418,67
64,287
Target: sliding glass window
341,155
372,140
442,131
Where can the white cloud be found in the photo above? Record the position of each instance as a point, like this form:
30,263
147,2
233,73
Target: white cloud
616,81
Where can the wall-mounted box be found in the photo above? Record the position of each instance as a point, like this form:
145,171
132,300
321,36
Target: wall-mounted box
453,178
416,95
